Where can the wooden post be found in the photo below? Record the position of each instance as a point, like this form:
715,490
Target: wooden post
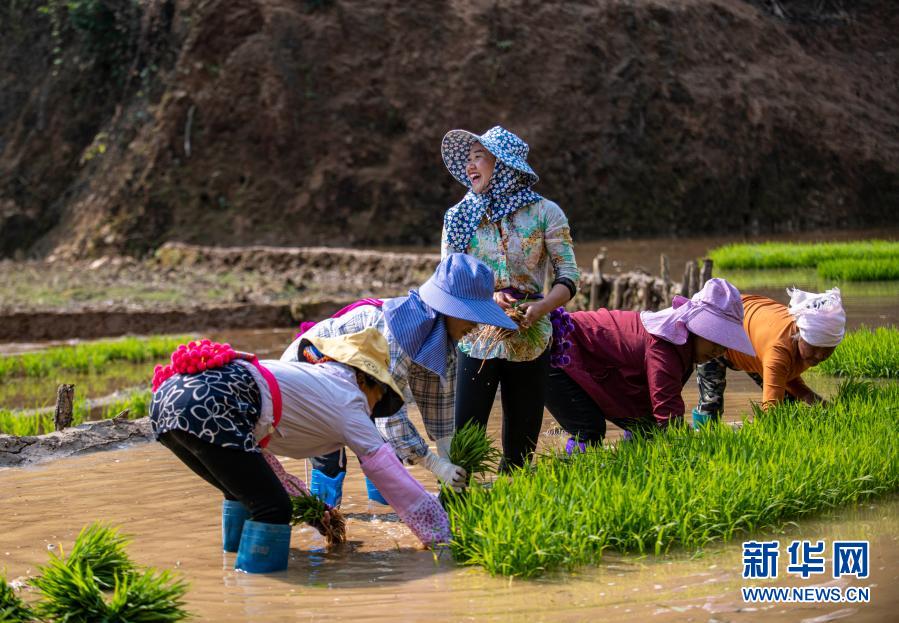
65,398
597,280
706,272
665,274
615,299
694,277
685,282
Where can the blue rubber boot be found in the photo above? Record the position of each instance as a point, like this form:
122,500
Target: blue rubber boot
264,547
234,514
330,490
373,494
701,418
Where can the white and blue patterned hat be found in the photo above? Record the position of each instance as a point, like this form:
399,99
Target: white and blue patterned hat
504,145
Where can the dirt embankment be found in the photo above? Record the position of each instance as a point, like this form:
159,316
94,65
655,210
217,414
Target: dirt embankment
188,288
319,121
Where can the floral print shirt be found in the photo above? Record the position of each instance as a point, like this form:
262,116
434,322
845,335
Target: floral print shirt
520,248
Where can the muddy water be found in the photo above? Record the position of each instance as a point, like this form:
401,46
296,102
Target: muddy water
382,574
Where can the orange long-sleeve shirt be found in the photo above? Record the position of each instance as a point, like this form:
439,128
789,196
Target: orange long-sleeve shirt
771,328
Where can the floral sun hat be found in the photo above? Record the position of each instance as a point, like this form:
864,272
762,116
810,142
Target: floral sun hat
504,145
509,189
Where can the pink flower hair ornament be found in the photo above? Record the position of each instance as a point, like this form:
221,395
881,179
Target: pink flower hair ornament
195,357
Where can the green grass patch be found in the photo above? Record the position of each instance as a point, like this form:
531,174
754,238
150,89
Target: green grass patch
683,488
800,254
880,269
40,392
15,423
750,281
865,353
93,357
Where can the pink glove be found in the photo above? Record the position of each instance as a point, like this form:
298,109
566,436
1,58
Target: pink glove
416,507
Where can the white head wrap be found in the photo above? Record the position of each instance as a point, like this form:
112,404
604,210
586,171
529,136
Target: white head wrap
820,317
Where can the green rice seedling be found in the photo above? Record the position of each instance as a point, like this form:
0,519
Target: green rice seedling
800,254
12,608
472,450
147,596
75,589
310,509
865,353
877,269
102,548
683,488
93,356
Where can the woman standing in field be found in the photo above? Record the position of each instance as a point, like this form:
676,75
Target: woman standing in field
787,341
630,367
520,235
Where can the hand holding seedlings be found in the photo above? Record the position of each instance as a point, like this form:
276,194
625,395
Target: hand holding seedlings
329,521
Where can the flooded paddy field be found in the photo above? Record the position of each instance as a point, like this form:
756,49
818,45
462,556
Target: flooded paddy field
382,573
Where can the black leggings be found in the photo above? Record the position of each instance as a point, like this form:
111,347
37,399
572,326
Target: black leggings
579,414
239,475
524,385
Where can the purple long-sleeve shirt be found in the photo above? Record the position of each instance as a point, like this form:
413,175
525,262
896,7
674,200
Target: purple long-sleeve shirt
630,373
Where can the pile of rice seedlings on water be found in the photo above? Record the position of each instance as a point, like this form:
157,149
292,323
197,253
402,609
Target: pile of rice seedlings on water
865,353
472,450
311,509
800,254
12,608
490,336
98,582
877,269
683,488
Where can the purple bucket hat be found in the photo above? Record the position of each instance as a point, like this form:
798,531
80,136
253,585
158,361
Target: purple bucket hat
715,313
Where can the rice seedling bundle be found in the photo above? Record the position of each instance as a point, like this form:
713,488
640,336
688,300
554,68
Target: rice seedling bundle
98,582
490,336
311,509
12,608
798,254
879,269
472,450
865,353
683,488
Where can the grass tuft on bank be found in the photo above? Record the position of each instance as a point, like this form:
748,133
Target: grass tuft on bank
89,357
683,489
767,255
865,353
880,269
15,423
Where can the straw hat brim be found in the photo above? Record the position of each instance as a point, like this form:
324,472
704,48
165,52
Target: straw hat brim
366,359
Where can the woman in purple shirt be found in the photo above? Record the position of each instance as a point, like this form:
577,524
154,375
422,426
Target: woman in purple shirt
630,367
